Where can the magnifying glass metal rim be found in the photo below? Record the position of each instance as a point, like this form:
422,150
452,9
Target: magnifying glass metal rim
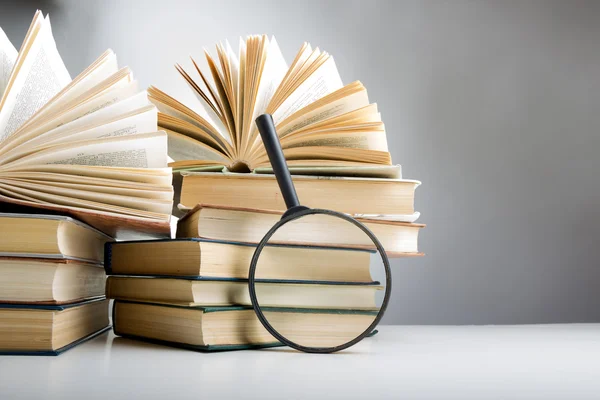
252,278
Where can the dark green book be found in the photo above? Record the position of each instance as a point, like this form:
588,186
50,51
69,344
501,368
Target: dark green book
228,328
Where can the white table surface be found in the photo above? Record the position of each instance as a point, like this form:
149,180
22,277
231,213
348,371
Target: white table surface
409,362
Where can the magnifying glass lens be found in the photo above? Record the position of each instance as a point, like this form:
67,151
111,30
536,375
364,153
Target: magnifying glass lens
331,286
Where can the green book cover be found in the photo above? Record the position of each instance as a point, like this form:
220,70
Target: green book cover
208,348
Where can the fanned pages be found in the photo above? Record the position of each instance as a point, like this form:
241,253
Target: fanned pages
88,147
325,127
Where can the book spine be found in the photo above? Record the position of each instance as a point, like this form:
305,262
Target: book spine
114,319
108,258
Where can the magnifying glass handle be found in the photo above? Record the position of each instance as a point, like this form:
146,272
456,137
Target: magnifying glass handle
266,127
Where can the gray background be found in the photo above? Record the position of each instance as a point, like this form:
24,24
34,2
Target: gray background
494,105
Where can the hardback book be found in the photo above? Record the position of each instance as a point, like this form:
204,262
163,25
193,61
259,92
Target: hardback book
88,147
231,328
50,329
210,292
250,225
50,236
45,281
322,124
343,194
204,258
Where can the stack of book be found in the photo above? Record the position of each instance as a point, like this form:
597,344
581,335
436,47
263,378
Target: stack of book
83,150
193,292
51,283
332,136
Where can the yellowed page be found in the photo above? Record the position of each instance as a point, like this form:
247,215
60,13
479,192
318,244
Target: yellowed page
150,176
85,192
116,186
323,81
139,121
367,139
74,203
120,91
332,109
273,72
143,120
122,107
139,151
181,147
111,91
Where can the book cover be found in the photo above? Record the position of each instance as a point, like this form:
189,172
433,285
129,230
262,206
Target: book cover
52,307
216,348
55,352
108,249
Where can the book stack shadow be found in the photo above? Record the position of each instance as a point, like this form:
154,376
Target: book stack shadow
51,284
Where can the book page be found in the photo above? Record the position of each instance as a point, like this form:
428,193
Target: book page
120,91
104,115
410,218
323,81
207,112
139,121
182,147
139,151
133,199
72,203
273,72
367,137
8,56
329,110
100,70
234,64
154,191
41,76
151,176
302,167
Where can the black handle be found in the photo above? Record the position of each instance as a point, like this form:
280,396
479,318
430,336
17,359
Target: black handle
266,127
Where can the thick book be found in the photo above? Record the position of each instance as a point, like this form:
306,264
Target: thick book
230,328
250,225
322,124
50,236
343,194
205,258
47,281
218,293
50,329
87,147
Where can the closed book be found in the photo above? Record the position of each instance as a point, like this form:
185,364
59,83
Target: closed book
218,293
231,328
50,329
250,225
48,281
50,236
207,258
258,191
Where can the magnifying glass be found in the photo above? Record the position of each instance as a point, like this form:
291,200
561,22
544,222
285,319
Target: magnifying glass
353,286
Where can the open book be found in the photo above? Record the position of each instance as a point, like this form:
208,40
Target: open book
86,147
324,126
